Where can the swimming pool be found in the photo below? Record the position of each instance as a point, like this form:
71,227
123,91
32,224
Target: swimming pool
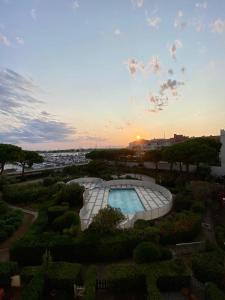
125,199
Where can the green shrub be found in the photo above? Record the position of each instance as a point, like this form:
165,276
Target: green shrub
35,289
56,211
183,201
125,277
9,222
90,283
147,252
7,269
209,266
63,275
212,292
72,194
28,273
65,221
179,227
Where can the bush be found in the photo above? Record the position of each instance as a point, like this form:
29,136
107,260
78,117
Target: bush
125,278
212,292
107,220
28,273
7,269
63,275
209,266
147,252
65,221
90,283
71,193
9,222
179,227
183,201
34,290
56,211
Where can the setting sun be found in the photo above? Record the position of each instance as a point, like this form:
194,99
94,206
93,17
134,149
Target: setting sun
138,137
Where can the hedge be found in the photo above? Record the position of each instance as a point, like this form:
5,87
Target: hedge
153,292
90,283
9,222
7,269
28,273
212,292
62,275
35,289
209,266
68,219
56,211
147,252
125,277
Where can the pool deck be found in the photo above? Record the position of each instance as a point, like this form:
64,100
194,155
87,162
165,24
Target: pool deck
97,192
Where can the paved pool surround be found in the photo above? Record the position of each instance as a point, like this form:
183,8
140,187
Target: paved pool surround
156,200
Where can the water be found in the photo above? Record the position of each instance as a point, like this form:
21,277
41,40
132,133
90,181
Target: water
125,199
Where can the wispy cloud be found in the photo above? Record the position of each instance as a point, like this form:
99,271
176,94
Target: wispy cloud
30,123
117,31
177,44
155,65
202,5
179,22
170,85
154,22
4,40
218,26
76,4
132,65
33,14
137,3
20,40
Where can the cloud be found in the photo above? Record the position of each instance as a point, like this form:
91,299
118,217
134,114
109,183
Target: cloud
170,85
202,5
218,26
199,26
179,23
155,65
170,71
25,120
157,101
20,40
38,131
154,22
133,66
137,3
4,40
33,14
117,31
177,44
76,4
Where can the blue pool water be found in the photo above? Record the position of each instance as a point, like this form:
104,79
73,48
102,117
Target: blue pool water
125,199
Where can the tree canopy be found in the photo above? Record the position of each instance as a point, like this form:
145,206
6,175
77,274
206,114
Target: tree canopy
8,154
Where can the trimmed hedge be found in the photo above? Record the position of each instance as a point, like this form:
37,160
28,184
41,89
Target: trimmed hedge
28,273
7,269
35,289
10,220
90,283
68,219
56,211
209,266
62,275
212,292
147,252
125,277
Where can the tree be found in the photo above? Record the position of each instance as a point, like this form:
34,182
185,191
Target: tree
28,158
153,156
8,154
107,220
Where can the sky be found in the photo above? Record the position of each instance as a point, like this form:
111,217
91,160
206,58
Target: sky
99,73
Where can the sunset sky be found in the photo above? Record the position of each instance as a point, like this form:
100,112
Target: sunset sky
90,73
